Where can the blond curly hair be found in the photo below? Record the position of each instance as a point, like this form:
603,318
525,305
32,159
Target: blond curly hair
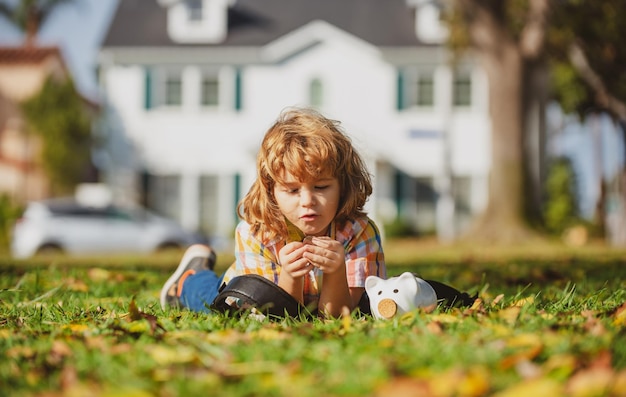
309,146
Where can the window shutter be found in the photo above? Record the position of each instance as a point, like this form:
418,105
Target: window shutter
148,88
400,90
238,99
237,193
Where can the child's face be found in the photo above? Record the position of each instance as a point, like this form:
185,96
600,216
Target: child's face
309,205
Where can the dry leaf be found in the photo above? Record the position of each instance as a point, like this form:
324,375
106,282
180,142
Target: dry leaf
510,314
619,318
524,301
76,285
497,299
525,355
404,387
166,355
535,388
590,382
97,274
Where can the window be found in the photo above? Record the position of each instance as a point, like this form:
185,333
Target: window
194,10
163,87
164,195
462,90
173,89
316,93
209,195
425,90
210,91
416,88
425,193
461,191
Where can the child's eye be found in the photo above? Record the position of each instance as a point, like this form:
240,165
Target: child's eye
323,187
290,190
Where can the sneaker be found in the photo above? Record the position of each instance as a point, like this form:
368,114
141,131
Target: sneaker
197,257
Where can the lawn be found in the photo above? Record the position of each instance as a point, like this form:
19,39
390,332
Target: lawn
550,321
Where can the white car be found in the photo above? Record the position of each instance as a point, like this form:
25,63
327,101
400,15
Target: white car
65,226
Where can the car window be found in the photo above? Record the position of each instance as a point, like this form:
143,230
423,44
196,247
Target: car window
117,213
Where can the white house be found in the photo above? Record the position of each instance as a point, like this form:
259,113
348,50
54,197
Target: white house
192,85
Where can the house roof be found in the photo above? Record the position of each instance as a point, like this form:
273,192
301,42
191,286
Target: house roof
143,23
27,55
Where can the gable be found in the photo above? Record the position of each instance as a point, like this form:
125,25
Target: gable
309,36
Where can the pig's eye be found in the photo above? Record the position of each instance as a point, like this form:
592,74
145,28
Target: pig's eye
380,292
395,291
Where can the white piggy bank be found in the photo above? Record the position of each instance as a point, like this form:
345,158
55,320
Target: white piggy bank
398,295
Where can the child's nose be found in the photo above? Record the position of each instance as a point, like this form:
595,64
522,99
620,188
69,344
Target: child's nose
306,197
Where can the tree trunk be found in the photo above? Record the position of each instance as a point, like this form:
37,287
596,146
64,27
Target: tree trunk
503,220
535,86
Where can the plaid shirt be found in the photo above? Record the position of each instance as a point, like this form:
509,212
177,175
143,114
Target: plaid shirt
360,238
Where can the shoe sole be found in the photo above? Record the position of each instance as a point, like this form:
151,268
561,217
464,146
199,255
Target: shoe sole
195,251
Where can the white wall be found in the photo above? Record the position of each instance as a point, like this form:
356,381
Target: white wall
359,89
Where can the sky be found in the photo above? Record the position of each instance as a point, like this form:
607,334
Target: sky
594,145
78,28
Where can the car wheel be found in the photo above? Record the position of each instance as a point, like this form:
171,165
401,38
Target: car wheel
169,247
49,250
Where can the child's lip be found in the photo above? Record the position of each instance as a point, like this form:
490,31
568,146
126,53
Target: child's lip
308,216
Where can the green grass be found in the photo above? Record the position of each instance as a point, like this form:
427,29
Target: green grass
552,321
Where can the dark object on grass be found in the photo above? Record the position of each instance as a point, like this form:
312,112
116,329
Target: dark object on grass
256,294
252,293
451,297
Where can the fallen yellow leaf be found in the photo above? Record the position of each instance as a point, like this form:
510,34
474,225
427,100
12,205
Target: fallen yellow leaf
620,316
524,301
534,387
510,314
165,355
98,274
76,328
524,340
445,318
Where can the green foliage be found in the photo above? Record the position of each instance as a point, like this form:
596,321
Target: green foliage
58,115
9,212
598,28
560,209
569,89
87,330
398,228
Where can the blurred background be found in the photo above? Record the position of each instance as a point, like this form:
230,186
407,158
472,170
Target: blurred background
496,121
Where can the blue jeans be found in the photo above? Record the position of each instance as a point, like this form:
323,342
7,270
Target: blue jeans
200,289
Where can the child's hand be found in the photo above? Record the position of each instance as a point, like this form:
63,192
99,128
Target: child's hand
325,253
292,261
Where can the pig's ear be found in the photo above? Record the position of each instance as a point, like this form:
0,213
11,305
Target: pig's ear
406,275
408,283
371,282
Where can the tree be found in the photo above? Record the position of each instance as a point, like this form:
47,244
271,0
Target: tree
589,68
29,15
58,115
510,38
506,36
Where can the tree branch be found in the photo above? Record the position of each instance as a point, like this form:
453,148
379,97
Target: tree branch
533,34
603,97
482,27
